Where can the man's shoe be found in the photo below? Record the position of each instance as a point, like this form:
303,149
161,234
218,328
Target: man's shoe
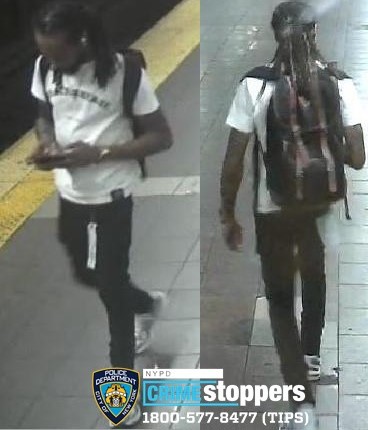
131,420
305,409
144,322
313,363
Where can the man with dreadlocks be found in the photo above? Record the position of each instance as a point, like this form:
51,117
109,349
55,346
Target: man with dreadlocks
86,136
304,116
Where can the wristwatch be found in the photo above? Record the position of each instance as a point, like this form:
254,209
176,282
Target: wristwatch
104,153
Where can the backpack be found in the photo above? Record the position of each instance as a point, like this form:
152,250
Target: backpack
134,62
304,155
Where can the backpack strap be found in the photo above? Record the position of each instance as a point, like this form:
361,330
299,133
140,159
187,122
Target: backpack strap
134,62
266,73
132,80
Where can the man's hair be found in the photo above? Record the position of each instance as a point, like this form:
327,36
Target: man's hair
294,26
74,19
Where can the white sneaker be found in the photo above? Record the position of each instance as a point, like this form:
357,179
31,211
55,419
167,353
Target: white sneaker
131,420
144,322
305,409
313,363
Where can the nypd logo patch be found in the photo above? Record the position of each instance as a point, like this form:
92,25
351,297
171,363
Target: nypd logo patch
115,390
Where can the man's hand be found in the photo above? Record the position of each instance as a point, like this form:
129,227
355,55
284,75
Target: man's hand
81,154
78,154
232,232
47,157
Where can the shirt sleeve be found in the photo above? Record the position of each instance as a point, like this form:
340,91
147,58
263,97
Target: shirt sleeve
37,89
350,103
146,100
241,114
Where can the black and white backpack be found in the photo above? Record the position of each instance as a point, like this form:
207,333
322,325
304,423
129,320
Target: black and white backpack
304,155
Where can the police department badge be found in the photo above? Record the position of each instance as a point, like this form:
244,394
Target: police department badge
115,391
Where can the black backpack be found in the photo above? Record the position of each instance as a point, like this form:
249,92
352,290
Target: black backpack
134,63
304,155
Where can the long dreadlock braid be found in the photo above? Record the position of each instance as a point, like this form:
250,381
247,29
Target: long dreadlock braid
294,27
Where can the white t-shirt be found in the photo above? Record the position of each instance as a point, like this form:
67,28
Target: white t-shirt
85,112
248,113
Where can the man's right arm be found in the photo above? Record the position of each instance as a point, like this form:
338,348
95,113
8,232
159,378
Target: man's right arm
232,172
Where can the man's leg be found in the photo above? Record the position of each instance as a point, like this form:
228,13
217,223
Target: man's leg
312,270
119,296
277,258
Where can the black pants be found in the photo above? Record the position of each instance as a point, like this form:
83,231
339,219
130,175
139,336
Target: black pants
278,238
110,276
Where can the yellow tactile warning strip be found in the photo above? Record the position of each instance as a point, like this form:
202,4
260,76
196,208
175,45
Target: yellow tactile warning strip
22,189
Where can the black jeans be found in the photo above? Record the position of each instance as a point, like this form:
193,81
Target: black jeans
278,239
122,299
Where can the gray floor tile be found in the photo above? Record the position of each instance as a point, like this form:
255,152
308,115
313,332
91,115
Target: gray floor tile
353,274
262,334
229,332
183,304
353,413
26,376
231,359
221,283
73,412
359,187
353,321
329,361
358,175
354,235
227,261
353,349
354,379
329,339
185,361
73,378
11,413
169,250
189,277
49,209
328,422
327,397
353,296
9,307
167,341
354,253
213,306
155,276
263,361
216,319
38,338
332,304
195,255
28,245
